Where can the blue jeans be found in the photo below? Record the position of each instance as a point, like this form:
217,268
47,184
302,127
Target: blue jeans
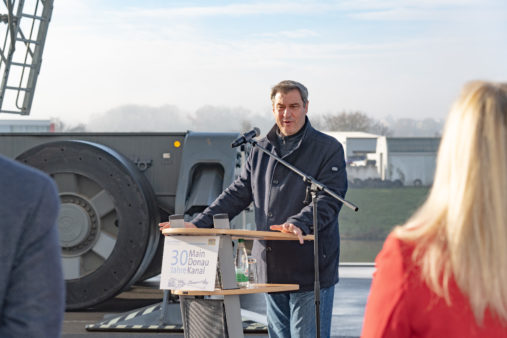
293,314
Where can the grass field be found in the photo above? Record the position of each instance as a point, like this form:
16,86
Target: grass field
379,211
363,232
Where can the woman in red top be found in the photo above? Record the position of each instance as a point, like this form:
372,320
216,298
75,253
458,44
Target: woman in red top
444,273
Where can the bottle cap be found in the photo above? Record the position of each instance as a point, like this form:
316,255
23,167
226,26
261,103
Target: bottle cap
240,240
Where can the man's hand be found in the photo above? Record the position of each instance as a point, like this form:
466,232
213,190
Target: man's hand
290,229
167,225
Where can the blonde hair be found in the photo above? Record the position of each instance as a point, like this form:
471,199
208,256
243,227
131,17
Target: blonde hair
460,231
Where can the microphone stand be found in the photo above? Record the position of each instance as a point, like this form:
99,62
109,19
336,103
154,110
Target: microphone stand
312,189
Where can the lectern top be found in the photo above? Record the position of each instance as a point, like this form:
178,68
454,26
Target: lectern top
235,233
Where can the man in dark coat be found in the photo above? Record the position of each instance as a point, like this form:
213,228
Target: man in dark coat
278,197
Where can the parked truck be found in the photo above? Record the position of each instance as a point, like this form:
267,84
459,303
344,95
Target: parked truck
114,187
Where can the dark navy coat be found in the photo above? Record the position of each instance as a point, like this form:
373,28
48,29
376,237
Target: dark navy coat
278,196
32,289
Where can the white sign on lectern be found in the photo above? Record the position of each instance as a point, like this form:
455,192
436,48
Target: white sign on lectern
189,263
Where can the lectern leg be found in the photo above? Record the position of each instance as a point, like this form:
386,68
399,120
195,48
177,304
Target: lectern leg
233,316
184,316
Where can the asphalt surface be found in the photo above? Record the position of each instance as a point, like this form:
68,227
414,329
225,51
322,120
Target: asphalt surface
348,310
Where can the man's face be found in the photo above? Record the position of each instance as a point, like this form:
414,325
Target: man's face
289,112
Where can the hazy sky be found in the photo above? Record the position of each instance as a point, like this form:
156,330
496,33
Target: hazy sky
404,58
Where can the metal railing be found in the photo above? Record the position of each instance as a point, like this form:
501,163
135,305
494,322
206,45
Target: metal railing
24,29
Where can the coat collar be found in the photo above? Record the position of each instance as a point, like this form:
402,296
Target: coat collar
272,134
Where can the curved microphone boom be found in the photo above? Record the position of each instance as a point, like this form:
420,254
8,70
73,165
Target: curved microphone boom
246,137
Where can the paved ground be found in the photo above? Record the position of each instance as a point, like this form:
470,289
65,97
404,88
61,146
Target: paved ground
349,301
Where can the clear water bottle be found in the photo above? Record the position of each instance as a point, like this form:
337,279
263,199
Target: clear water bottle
241,264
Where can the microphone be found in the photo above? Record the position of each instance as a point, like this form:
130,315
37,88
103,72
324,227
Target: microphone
246,137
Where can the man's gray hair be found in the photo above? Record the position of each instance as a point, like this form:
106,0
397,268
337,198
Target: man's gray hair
288,85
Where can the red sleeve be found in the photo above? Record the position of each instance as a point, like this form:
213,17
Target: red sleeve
385,315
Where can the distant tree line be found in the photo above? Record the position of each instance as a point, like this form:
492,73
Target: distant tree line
353,121
61,126
358,121
228,119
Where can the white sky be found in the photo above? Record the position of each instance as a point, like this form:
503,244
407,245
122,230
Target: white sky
404,58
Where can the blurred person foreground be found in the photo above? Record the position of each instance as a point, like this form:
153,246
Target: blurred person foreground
443,273
32,291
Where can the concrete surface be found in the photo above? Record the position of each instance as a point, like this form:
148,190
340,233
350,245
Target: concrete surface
348,310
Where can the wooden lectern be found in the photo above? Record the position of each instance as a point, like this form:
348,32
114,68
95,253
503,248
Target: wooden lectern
230,291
